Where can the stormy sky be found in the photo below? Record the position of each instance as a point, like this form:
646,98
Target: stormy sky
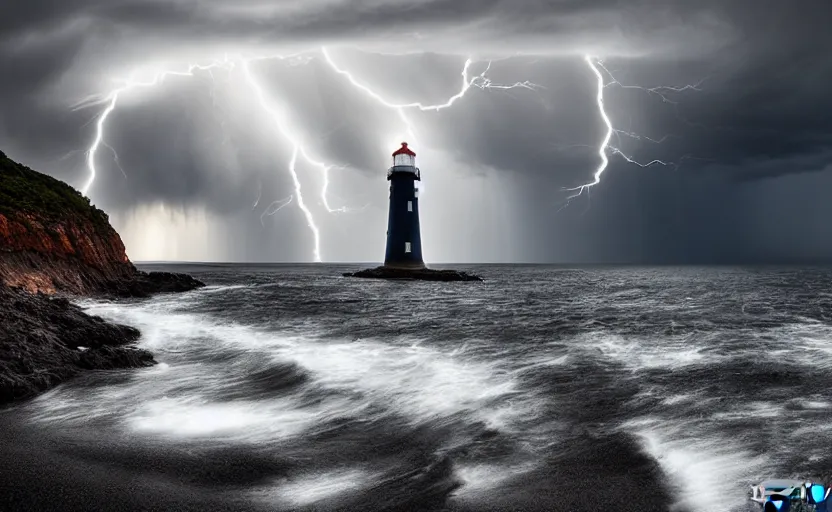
189,168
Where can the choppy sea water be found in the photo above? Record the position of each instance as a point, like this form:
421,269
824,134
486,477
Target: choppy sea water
543,388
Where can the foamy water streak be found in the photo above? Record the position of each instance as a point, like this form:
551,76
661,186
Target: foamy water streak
639,353
710,445
481,479
307,490
277,419
540,375
179,398
808,343
709,473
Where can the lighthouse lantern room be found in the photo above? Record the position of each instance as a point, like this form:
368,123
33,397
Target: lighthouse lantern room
404,243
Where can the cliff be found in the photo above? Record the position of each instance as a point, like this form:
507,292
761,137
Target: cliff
53,240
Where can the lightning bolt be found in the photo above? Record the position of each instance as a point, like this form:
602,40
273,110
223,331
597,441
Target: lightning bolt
99,136
112,100
115,158
481,81
597,66
282,123
661,91
325,195
275,207
259,195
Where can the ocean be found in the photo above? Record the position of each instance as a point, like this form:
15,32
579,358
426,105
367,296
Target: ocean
289,387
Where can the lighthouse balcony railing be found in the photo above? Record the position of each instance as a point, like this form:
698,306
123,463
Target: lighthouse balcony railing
408,169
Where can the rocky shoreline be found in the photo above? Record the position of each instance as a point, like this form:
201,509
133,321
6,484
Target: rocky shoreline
145,284
39,272
45,341
420,274
55,245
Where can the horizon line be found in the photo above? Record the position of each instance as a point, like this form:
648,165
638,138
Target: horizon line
623,264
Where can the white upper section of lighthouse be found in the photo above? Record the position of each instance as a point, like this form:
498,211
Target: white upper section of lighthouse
404,161
404,156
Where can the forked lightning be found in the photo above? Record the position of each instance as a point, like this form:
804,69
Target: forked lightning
282,123
596,66
299,150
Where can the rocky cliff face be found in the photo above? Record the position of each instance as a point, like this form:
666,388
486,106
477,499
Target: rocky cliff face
41,255
52,239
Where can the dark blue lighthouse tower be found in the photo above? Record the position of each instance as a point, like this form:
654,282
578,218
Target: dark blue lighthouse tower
403,259
404,241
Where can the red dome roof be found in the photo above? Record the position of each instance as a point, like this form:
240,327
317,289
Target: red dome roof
404,150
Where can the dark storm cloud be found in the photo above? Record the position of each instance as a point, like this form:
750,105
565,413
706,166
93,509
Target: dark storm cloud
18,18
761,113
551,132
28,69
763,109
490,23
187,145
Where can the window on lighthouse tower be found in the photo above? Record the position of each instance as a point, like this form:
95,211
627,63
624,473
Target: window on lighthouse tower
404,159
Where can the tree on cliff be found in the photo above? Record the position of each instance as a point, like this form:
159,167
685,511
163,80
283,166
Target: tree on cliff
23,190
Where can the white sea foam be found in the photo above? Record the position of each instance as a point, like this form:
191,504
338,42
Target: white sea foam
222,288
486,479
307,490
542,361
237,420
176,398
420,381
709,473
679,399
808,344
640,353
748,410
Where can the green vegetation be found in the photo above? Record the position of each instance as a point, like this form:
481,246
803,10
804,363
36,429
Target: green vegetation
26,191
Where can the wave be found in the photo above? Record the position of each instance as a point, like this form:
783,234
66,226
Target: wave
708,472
470,395
231,381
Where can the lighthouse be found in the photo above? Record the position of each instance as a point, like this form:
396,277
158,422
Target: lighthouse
403,259
404,241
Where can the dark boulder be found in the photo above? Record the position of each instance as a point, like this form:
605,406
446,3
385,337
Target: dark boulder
45,341
145,284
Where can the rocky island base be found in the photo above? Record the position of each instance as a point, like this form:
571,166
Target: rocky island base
419,274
